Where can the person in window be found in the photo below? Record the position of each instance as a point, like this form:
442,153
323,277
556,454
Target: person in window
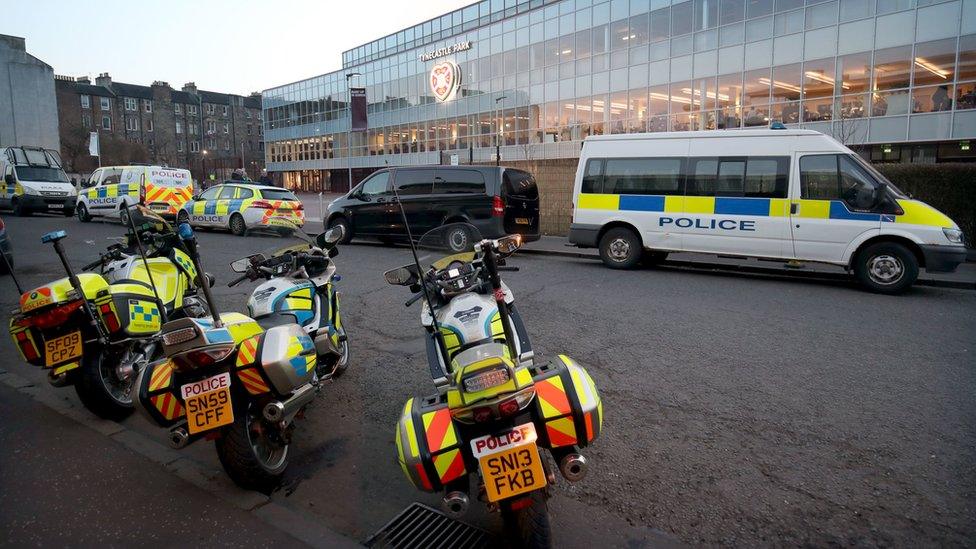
265,179
941,100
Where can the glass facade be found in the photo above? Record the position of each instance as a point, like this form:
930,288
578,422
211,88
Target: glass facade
537,77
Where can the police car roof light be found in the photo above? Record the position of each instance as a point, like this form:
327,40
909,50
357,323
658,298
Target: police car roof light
53,236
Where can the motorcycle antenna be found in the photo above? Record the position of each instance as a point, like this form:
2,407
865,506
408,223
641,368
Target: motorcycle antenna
145,261
10,269
423,284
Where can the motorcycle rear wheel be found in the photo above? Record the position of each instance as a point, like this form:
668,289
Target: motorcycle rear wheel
250,458
99,387
529,527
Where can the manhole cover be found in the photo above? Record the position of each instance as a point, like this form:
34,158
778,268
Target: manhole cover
425,527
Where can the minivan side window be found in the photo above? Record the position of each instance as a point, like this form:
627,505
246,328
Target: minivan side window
662,176
593,177
377,184
836,177
749,177
414,182
111,176
459,182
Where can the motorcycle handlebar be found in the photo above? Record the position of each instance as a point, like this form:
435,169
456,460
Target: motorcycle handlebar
416,297
237,281
92,265
504,268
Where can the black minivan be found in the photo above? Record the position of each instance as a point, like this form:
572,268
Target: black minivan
496,200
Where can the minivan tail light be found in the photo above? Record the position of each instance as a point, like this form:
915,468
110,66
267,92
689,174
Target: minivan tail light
497,207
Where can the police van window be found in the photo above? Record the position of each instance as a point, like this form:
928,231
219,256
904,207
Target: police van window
731,174
593,177
836,177
111,176
858,188
226,193
661,176
414,182
459,182
210,193
702,174
767,177
244,194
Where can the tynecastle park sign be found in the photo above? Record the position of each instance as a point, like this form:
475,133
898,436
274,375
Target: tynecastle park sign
441,52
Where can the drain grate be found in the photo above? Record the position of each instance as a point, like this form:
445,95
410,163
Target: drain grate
424,527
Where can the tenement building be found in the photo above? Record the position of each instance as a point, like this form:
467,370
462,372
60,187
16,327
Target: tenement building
208,132
28,111
894,78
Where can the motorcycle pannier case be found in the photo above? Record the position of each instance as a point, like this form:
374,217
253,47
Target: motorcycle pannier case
277,361
567,404
129,309
159,393
428,445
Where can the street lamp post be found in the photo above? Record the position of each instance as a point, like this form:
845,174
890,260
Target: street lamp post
498,133
203,184
349,76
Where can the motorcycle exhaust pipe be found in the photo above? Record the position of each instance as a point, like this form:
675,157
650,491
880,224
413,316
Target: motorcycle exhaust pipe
573,467
455,504
179,437
284,410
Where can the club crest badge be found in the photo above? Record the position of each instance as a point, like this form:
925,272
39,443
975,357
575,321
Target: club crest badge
445,78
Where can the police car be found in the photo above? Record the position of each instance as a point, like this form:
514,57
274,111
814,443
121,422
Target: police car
242,207
793,195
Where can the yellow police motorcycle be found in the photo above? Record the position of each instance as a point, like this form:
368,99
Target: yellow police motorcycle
229,379
97,330
496,405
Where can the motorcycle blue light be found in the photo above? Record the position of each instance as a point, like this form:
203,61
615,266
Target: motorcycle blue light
186,231
53,236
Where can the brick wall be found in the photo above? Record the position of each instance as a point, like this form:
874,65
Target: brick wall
555,179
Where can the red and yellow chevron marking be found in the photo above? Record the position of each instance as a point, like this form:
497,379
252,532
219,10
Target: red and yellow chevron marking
168,405
247,351
161,376
283,208
252,381
562,432
439,430
552,397
424,481
588,419
449,465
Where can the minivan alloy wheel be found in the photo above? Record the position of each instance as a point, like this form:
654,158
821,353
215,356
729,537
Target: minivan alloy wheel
885,269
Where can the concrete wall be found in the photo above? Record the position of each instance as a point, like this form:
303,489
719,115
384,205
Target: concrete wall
555,179
28,107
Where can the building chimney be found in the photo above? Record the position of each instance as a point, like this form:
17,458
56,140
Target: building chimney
160,84
190,87
103,80
83,80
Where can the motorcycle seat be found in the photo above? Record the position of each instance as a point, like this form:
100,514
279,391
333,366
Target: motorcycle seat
276,319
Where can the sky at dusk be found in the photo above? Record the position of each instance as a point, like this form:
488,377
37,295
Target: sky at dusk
233,46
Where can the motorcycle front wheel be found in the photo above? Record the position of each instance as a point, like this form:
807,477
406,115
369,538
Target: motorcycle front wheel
101,388
250,452
529,526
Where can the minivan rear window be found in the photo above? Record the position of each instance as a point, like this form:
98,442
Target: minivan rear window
520,184
459,182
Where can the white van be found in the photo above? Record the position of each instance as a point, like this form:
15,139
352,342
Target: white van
110,189
783,194
33,181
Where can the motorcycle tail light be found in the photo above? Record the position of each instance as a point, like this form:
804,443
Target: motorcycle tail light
52,317
482,414
27,347
109,318
179,336
509,407
486,379
207,356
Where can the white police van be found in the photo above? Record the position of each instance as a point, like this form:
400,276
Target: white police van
782,194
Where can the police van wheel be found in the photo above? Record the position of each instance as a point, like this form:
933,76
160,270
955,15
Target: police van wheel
620,248
886,268
237,225
83,214
124,215
19,209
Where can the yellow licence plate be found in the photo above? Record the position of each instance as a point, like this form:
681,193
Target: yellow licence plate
510,463
208,403
523,220
62,349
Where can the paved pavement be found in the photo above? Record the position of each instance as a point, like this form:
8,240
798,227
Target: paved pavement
740,408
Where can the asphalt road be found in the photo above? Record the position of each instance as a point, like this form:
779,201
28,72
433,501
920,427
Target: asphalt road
740,409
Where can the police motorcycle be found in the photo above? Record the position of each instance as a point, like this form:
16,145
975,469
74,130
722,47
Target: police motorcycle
496,406
299,287
97,330
229,379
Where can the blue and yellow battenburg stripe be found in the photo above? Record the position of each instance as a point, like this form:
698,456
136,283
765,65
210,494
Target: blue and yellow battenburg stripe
915,212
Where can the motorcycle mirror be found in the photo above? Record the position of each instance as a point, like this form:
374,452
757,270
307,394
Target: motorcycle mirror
330,237
186,231
256,259
241,265
507,245
401,276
